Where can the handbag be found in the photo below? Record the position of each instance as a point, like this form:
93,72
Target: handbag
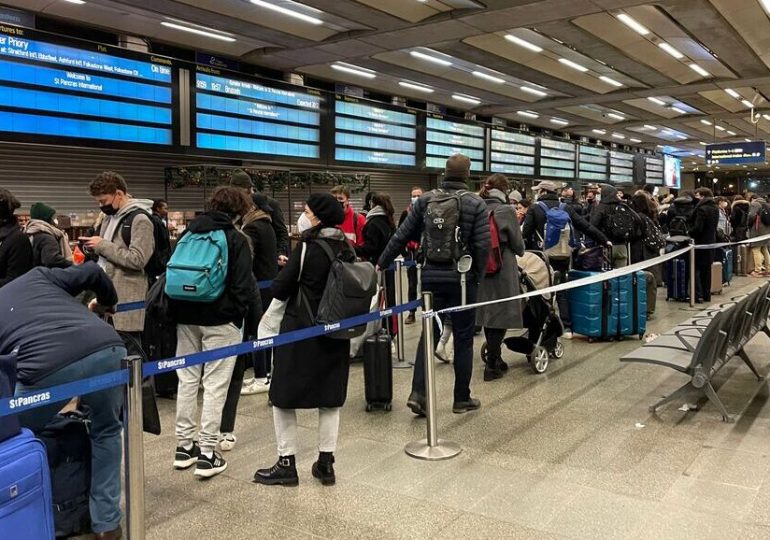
150,414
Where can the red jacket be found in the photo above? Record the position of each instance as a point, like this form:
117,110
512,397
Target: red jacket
354,227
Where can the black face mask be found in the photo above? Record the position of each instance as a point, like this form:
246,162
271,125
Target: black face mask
108,210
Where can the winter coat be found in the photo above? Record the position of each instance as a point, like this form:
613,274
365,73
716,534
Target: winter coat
278,224
258,227
314,372
15,252
125,264
756,227
703,229
377,233
682,206
739,220
240,296
353,226
49,245
533,228
474,232
600,216
505,283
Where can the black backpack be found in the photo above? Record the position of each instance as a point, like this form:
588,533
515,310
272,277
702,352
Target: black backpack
162,252
764,215
622,223
68,445
441,241
677,226
654,239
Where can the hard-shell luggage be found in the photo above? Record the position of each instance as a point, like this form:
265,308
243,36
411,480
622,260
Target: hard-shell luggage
716,277
26,506
745,260
632,304
727,265
610,309
676,279
378,372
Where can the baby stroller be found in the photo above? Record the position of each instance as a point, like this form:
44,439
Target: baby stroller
541,341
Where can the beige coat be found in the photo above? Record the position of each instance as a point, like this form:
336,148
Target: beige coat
125,266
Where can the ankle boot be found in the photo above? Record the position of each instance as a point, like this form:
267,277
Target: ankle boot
323,469
283,473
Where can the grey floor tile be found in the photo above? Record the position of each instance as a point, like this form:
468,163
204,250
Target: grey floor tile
675,523
732,467
478,527
732,502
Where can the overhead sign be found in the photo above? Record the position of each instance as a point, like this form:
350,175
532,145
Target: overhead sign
736,153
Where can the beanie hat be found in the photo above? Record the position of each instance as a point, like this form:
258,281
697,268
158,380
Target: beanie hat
326,208
260,201
241,179
42,212
515,196
458,166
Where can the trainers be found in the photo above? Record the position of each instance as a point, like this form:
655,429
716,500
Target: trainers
416,403
442,353
283,473
184,459
227,441
255,386
210,466
409,319
460,407
567,334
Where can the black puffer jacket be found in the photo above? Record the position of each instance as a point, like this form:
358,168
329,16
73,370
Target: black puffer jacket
681,207
474,230
739,220
599,217
15,251
377,233
533,228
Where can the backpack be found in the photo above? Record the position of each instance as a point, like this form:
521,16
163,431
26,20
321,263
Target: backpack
622,223
197,271
764,215
495,258
348,292
441,242
654,239
160,255
559,234
678,226
68,445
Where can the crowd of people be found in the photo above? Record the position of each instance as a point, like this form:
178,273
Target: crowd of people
45,298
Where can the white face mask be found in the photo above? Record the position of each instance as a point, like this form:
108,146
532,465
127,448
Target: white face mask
56,222
303,223
415,199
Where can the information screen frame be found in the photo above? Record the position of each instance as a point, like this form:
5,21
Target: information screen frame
594,164
433,141
554,159
621,163
736,153
672,175
510,152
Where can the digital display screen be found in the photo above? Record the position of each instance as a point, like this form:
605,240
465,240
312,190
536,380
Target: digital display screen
592,163
368,133
743,153
448,137
621,167
672,172
557,158
653,169
239,115
84,91
512,152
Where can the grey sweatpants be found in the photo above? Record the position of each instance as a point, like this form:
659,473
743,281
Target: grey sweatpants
215,377
285,423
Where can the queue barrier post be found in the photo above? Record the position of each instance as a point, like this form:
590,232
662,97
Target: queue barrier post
692,273
401,360
431,448
134,449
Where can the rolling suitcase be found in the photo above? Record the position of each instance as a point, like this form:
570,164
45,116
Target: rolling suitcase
745,260
9,425
26,505
727,265
716,277
631,304
378,372
591,307
676,280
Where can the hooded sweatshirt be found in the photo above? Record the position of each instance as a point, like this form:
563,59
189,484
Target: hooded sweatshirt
50,244
15,251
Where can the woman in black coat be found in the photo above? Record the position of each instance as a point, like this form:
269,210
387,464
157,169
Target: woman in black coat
50,245
703,230
309,374
15,248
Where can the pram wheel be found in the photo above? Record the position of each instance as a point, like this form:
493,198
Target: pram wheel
484,353
539,359
558,350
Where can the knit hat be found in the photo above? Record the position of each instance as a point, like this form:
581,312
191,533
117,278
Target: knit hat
42,212
458,166
241,179
515,196
326,208
545,185
260,201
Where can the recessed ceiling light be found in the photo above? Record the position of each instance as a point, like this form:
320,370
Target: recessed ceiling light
599,131
523,43
618,135
766,6
704,121
678,110
733,93
747,103
429,58
573,65
528,114
699,70
78,2
559,121
354,70
529,90
670,50
616,116
632,23
747,140
702,143
488,77
731,133
466,99
288,12
766,116
719,128
610,80
657,101
201,31
416,86
648,126
635,140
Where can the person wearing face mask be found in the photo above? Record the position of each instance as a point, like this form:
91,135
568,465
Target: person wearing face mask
123,262
15,249
411,253
50,245
353,225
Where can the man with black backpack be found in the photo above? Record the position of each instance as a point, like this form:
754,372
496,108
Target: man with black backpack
452,226
618,222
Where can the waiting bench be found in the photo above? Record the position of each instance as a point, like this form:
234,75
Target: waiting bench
701,346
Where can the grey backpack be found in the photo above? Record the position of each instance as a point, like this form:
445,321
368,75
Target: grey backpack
441,237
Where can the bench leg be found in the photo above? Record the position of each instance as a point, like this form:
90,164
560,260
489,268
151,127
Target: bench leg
766,330
713,398
750,364
671,397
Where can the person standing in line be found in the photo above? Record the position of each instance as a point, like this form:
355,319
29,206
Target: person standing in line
16,257
757,228
739,219
703,230
202,326
354,223
313,373
601,218
496,319
444,280
411,253
50,245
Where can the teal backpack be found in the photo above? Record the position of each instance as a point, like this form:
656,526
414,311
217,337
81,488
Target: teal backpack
197,270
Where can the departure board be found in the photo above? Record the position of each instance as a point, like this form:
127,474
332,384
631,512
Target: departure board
557,158
55,87
236,114
621,167
653,169
374,134
445,137
512,152
592,163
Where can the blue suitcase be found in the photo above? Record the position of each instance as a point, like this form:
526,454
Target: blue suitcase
676,280
727,265
609,309
9,425
26,505
631,304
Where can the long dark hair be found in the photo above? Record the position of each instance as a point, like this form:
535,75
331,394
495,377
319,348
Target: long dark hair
383,200
496,181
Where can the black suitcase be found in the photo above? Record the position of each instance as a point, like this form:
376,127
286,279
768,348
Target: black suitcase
378,372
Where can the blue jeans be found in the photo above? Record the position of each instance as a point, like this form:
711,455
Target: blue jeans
463,324
106,426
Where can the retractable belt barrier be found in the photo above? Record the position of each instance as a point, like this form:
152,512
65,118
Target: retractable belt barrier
763,238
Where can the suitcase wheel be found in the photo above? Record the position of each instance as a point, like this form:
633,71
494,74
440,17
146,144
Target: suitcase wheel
368,407
389,407
484,352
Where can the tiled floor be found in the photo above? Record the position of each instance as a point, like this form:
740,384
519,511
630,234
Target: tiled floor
558,455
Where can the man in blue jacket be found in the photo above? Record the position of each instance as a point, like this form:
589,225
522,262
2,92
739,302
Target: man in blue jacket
57,341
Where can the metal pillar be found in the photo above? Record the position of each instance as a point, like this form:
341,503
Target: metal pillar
400,362
692,273
431,448
133,436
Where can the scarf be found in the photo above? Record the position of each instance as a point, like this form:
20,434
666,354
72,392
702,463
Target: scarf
37,226
255,214
376,211
110,224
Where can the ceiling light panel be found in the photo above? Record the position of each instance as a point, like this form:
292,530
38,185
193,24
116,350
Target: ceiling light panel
528,114
354,70
733,93
533,91
416,86
670,50
699,70
632,23
294,13
199,30
430,58
466,99
523,43
611,81
573,65
488,77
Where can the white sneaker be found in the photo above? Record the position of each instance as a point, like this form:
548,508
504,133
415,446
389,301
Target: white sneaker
227,441
443,353
567,334
255,386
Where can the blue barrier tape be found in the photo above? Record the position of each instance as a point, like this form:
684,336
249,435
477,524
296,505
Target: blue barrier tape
62,392
171,364
130,306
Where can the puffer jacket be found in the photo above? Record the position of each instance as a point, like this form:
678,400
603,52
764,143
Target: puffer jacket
756,227
474,231
739,220
682,206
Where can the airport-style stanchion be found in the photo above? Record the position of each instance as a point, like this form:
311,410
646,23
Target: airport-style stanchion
400,362
134,449
692,273
431,448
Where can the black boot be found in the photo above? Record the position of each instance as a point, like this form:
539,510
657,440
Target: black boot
323,469
283,473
